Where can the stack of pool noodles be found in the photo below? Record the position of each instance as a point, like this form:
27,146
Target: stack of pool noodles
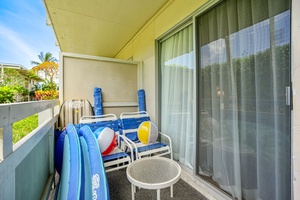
80,165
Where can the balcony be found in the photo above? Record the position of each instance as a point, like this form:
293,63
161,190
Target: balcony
128,42
27,168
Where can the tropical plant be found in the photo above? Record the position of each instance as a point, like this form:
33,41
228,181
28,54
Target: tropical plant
7,94
46,95
49,68
21,90
44,58
48,85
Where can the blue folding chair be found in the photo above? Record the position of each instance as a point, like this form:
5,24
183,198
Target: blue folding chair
130,122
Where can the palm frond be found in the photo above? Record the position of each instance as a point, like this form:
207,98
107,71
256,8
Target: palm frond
41,57
35,63
44,58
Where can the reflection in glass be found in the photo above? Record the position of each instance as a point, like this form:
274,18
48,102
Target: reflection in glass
244,137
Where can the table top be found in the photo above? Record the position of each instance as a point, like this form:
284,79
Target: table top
153,172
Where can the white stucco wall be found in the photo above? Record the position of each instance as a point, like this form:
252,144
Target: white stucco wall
117,78
142,46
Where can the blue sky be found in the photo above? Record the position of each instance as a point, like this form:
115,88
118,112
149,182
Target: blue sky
24,33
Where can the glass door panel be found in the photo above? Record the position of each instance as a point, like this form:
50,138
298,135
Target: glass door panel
244,73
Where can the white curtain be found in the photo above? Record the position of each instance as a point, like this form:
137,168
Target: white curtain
177,76
244,120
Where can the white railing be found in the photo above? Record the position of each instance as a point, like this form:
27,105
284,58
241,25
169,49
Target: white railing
27,167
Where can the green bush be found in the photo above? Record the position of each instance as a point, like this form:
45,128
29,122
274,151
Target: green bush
7,94
21,90
47,85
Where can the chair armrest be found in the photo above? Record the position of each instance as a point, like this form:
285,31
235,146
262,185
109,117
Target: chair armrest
129,144
168,138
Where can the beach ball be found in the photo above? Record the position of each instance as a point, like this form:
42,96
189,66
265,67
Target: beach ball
147,132
107,139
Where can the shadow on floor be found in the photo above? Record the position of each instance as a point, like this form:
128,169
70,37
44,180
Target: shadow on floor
120,189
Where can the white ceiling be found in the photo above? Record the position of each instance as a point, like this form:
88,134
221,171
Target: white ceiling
99,27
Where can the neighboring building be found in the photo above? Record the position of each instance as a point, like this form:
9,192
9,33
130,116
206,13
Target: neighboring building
29,79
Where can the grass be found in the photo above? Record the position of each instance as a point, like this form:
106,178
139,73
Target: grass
24,126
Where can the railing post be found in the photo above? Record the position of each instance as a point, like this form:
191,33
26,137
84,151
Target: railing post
7,140
51,150
1,144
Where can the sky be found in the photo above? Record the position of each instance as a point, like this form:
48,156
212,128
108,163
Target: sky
24,33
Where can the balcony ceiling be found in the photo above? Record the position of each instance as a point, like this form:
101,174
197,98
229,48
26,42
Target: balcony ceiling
99,27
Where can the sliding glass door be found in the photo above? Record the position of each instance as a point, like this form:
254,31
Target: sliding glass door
243,142
177,92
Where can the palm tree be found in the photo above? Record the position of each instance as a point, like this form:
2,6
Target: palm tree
44,58
48,66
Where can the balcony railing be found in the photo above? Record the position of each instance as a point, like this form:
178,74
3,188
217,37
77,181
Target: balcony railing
27,167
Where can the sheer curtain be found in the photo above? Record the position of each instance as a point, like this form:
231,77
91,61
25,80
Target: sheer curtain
176,92
244,120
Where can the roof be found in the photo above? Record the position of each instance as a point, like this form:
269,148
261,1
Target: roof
99,27
22,70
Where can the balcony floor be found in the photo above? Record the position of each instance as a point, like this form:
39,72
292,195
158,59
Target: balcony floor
120,188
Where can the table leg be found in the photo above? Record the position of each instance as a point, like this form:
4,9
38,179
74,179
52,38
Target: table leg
171,191
132,191
158,194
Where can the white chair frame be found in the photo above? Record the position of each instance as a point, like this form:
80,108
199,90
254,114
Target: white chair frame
161,151
114,164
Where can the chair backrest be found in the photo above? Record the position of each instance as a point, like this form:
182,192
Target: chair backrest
130,122
141,100
95,122
72,110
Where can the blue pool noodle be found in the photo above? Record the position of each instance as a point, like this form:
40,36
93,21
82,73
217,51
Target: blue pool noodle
98,101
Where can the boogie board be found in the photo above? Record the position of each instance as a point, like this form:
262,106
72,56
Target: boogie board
72,110
94,181
70,177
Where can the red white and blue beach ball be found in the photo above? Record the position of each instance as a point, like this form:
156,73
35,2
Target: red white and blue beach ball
107,139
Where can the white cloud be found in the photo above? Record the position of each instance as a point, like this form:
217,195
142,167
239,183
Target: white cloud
14,41
23,32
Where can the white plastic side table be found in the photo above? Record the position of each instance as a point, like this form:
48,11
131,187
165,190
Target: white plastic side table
153,173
